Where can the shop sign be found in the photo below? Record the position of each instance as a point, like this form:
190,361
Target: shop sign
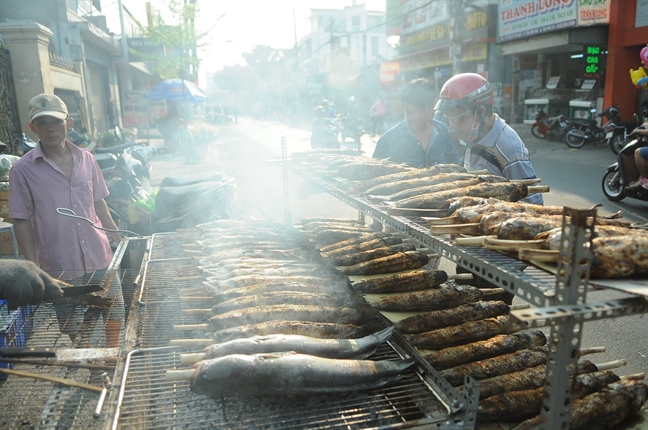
135,109
474,52
588,84
520,19
641,17
435,35
591,12
417,16
591,61
552,83
438,57
479,24
388,71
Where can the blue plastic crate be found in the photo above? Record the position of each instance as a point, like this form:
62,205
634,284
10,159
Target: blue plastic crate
15,328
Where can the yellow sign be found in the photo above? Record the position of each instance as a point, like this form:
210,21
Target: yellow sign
478,51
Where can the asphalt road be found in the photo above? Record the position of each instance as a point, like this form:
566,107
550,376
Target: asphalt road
242,150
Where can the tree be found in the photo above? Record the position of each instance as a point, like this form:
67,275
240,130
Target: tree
264,60
180,40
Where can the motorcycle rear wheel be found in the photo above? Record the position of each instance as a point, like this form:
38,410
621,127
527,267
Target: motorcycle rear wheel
575,138
613,186
617,144
535,130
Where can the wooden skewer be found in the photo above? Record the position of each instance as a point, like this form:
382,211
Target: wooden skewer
466,276
447,220
471,241
190,299
192,358
187,278
56,379
492,291
592,350
611,365
470,228
194,251
189,327
198,312
512,245
527,181
633,377
532,189
191,342
519,307
544,255
178,375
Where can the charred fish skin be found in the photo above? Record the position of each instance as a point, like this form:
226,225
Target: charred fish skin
475,351
260,314
327,348
360,257
444,297
354,241
470,331
415,280
363,246
268,287
391,188
440,200
278,298
410,174
304,328
389,264
448,317
291,374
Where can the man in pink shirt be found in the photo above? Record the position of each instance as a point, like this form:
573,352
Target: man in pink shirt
58,174
378,112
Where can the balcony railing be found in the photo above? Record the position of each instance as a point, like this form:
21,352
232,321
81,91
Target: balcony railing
58,61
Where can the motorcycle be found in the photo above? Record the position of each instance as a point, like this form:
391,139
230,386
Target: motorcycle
352,127
582,131
326,133
623,172
543,128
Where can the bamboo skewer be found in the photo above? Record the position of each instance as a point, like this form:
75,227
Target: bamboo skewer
471,241
469,228
56,379
512,245
611,365
178,375
33,362
191,342
542,255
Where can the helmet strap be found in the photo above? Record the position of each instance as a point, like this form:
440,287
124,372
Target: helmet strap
475,129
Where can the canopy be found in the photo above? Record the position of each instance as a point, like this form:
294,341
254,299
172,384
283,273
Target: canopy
177,90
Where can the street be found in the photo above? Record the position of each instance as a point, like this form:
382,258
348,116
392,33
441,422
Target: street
242,151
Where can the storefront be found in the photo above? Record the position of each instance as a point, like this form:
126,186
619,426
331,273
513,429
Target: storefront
549,42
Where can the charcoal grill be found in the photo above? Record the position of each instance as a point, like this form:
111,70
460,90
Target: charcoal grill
144,400
28,403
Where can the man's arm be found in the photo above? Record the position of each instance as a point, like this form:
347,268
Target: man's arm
101,208
25,238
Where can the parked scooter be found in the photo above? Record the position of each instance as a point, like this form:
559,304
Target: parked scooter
623,172
552,129
582,131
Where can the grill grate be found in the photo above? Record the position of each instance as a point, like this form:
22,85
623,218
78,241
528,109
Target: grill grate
165,246
147,401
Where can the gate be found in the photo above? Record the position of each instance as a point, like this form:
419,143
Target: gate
9,121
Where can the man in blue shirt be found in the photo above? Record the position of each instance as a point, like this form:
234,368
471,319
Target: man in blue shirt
420,140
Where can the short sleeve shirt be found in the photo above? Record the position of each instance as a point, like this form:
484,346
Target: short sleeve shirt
38,187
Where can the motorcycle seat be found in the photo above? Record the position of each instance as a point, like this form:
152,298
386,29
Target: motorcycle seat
106,160
182,181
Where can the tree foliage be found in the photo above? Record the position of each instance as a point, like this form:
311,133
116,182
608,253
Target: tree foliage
179,38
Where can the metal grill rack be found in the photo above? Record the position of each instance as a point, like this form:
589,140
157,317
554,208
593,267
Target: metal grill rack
554,294
37,404
166,246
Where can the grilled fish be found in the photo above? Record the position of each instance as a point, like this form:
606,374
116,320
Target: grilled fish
314,222
354,241
304,328
364,171
259,314
471,331
526,379
497,345
601,410
243,281
495,366
363,246
273,286
444,297
524,404
503,191
415,280
329,348
410,174
389,264
621,256
470,214
278,298
447,317
291,374
390,188
359,257
426,189
331,236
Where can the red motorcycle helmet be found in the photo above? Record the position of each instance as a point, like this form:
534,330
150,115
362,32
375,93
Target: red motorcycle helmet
465,90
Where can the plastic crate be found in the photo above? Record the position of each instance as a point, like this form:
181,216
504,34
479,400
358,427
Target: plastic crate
15,328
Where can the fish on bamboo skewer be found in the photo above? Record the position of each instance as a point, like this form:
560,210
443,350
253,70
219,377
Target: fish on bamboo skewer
359,257
328,348
243,281
354,241
461,334
291,374
433,320
389,264
364,171
274,298
534,377
363,246
304,328
604,409
393,187
260,314
254,254
221,295
410,174
525,404
220,275
552,238
415,280
417,189
444,297
310,223
475,351
503,191
329,237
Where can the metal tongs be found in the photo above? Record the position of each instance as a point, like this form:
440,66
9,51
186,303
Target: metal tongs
71,214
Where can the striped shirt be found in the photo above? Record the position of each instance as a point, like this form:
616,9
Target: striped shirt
502,153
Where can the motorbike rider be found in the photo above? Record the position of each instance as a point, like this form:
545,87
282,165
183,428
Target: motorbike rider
466,100
419,140
641,158
377,113
321,137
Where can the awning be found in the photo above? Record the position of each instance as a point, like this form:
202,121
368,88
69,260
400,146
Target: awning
142,67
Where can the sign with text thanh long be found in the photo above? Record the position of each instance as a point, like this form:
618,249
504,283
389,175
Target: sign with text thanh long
526,18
